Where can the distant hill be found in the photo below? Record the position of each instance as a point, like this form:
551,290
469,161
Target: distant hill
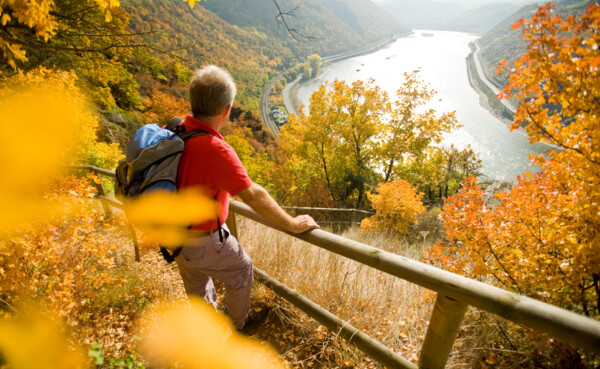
337,25
449,16
479,20
501,42
422,14
366,18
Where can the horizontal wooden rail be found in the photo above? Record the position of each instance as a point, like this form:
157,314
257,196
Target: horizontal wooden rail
341,210
102,171
559,323
366,344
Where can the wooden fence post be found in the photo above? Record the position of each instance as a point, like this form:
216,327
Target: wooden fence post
136,248
102,193
443,327
232,224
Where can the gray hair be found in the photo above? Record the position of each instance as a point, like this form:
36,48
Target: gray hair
211,90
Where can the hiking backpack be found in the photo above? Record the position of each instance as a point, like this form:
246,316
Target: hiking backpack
151,164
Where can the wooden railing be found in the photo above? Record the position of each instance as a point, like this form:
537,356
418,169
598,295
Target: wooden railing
332,216
454,295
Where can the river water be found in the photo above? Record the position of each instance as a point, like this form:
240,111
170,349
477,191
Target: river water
439,56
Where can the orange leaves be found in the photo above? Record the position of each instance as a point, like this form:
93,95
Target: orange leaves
557,79
162,107
541,239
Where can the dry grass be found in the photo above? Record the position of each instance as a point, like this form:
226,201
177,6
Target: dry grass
387,308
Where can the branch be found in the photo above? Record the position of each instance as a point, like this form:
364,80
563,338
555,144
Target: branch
281,19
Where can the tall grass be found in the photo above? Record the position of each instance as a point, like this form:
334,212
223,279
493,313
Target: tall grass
385,307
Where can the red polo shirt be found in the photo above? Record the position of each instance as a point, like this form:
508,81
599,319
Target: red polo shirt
209,163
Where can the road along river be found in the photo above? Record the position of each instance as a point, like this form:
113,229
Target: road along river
439,58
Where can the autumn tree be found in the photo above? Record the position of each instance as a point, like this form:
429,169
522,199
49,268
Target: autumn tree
355,137
314,61
305,70
408,133
88,36
337,139
542,238
258,164
397,205
162,107
441,170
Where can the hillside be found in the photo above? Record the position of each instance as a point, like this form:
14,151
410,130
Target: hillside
479,20
365,17
192,33
450,16
336,25
501,42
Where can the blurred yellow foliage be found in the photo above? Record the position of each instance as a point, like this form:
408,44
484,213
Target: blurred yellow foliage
198,337
164,216
53,126
36,343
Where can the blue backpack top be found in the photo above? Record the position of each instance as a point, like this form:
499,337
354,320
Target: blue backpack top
151,161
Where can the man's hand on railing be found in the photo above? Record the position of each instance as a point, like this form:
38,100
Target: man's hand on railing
303,223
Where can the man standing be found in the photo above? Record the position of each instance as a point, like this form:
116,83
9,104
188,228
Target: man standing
210,164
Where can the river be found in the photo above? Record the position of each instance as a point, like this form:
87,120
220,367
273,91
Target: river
439,56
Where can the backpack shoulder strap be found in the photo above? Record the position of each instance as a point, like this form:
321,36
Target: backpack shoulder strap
186,135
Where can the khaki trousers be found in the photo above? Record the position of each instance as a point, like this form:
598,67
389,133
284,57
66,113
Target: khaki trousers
205,258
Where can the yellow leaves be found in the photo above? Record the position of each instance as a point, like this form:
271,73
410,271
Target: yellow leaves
47,113
558,85
36,344
165,216
106,6
198,337
397,205
191,3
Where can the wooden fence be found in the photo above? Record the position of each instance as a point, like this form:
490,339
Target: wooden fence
336,217
454,295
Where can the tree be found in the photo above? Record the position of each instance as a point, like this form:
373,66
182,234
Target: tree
88,36
258,165
542,239
338,138
408,133
32,23
163,107
396,206
355,137
305,72
314,61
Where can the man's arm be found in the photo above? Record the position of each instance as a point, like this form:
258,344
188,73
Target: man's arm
260,201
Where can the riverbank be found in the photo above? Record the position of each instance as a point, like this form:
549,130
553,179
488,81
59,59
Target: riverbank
487,98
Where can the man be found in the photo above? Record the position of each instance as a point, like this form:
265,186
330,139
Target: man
209,163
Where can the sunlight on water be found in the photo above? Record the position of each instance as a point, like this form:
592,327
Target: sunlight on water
440,60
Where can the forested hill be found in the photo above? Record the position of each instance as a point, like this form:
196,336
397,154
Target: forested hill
337,25
199,37
502,42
